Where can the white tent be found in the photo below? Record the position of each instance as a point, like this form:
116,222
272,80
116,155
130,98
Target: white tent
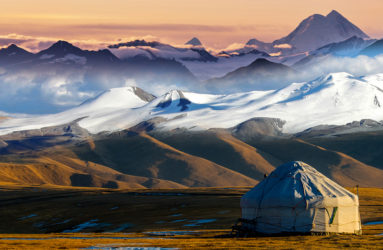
296,198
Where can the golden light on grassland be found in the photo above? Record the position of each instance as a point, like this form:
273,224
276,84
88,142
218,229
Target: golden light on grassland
217,23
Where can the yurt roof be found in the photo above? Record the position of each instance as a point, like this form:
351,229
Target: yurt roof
296,184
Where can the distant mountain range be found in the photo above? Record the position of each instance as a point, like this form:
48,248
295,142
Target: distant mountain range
63,75
259,75
153,50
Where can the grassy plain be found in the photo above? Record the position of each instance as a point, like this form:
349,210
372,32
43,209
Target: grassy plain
34,217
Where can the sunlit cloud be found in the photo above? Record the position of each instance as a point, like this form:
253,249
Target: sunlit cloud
283,46
276,53
234,46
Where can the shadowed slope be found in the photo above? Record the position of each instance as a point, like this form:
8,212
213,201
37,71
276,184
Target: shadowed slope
179,159
342,168
366,147
144,155
225,150
259,75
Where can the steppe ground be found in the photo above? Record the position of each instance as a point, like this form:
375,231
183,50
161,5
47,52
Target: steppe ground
35,217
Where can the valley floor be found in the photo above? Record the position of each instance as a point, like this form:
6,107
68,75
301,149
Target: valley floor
36,217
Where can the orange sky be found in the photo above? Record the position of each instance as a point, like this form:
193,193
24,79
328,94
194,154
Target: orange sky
217,23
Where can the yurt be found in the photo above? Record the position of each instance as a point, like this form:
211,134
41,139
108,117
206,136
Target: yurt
296,198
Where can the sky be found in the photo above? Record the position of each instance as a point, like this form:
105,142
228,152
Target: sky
217,23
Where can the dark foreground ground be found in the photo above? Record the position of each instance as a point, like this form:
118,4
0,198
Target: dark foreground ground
52,217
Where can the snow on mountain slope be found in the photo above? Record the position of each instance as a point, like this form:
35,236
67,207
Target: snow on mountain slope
334,99
125,97
94,112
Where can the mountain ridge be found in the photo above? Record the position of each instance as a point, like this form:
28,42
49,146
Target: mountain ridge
328,95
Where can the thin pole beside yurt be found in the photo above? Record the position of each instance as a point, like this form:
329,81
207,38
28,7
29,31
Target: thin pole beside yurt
296,198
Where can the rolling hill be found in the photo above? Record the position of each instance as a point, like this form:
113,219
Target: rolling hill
175,159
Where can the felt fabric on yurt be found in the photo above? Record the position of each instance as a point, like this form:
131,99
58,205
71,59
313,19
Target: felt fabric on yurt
296,198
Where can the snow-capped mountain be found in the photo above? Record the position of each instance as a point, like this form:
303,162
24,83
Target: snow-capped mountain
334,99
318,30
115,102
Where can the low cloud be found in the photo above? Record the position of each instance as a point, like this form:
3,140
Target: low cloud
30,43
276,53
234,46
357,66
283,46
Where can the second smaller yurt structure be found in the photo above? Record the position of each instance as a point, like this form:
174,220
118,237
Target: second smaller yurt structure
296,198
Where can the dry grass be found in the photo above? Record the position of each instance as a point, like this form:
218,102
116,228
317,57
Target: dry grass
205,239
144,211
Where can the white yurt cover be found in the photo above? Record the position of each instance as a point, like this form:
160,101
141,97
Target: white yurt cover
296,198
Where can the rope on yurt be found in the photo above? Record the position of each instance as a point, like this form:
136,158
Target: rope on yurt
357,193
334,209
